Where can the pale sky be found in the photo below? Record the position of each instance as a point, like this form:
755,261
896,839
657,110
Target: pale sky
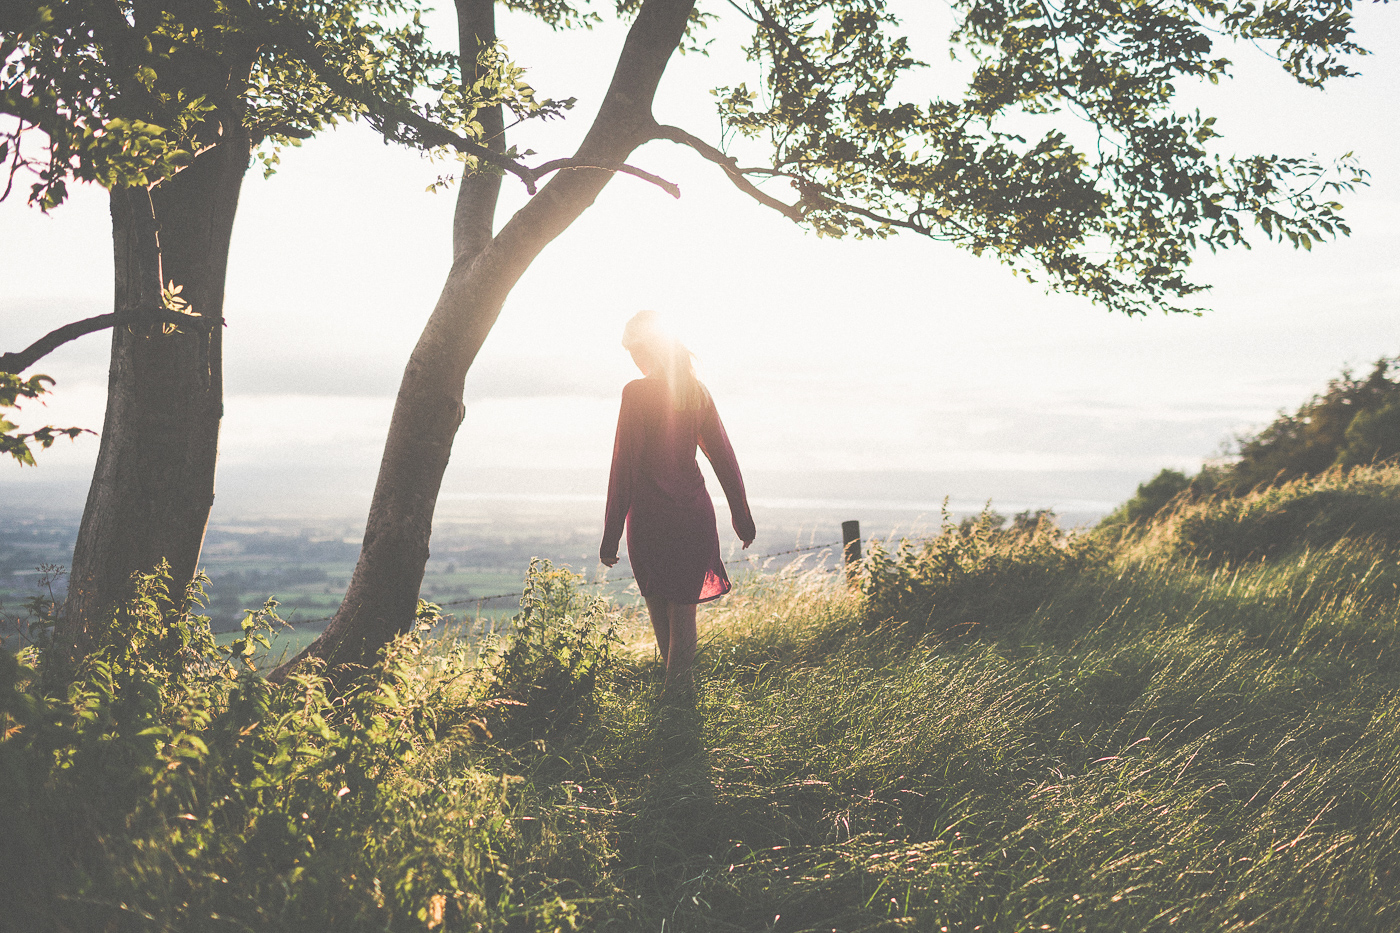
823,355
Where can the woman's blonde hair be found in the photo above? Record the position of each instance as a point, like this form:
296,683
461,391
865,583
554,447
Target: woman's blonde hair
677,364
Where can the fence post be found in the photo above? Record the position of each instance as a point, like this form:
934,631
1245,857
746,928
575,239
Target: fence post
850,547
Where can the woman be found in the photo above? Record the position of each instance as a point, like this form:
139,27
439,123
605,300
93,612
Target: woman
657,489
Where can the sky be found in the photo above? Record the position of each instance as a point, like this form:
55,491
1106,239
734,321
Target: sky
900,369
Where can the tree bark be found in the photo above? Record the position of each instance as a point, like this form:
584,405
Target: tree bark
382,598
154,483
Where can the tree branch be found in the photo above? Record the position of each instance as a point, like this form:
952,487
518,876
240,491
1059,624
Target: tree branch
730,165
435,134
390,114
19,362
671,188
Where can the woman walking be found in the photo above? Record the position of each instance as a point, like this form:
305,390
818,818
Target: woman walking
656,488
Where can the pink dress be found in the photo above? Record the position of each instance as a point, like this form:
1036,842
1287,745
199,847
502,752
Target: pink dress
657,489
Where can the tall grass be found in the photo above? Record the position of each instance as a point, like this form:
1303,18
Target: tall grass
992,732
1318,511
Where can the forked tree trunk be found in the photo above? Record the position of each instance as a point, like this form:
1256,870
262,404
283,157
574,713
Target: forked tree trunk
383,592
154,483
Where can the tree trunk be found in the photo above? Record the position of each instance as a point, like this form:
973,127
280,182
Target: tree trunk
383,593
154,483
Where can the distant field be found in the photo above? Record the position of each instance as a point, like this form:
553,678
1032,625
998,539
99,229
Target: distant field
458,593
306,563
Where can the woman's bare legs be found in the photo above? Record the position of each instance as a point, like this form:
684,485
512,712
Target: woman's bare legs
660,612
681,658
674,627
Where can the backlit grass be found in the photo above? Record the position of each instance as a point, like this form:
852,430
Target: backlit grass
993,733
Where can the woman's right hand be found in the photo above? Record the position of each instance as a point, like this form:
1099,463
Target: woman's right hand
608,561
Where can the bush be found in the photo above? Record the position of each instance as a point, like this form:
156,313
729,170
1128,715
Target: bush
1314,512
170,787
971,575
1371,436
559,644
1150,498
1319,435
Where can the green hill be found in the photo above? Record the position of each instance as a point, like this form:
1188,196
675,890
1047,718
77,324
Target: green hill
1192,727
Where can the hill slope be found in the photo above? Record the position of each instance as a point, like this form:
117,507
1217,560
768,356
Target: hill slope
998,732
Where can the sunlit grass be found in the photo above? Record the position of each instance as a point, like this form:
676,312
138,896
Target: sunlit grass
996,734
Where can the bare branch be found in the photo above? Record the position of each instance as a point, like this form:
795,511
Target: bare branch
730,165
19,362
435,134
671,188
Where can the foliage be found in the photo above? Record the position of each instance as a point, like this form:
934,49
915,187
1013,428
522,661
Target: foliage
1149,499
1066,156
1354,423
168,786
1151,744
559,644
12,442
1315,512
1372,435
124,95
939,586
1319,435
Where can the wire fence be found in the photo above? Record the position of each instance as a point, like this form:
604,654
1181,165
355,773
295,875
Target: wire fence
479,601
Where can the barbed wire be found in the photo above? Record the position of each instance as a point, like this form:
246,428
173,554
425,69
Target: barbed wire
750,559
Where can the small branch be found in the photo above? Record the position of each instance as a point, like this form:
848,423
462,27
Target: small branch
908,223
730,165
390,114
14,166
19,362
671,188
880,218
435,134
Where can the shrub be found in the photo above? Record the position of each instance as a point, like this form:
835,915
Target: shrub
167,786
1316,437
1372,435
970,575
1150,498
559,644
1314,512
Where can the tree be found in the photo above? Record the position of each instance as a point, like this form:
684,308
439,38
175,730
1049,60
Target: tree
1151,497
164,103
1064,158
1354,422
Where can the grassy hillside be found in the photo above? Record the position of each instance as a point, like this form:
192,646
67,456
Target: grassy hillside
1191,726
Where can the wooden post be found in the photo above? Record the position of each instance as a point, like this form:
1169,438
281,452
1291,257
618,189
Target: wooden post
850,541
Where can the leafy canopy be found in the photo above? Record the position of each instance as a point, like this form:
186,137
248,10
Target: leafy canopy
1066,155
126,94
1000,170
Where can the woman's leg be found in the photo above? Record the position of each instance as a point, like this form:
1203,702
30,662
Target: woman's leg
660,611
681,656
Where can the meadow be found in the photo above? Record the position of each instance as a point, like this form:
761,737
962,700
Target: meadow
1187,724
